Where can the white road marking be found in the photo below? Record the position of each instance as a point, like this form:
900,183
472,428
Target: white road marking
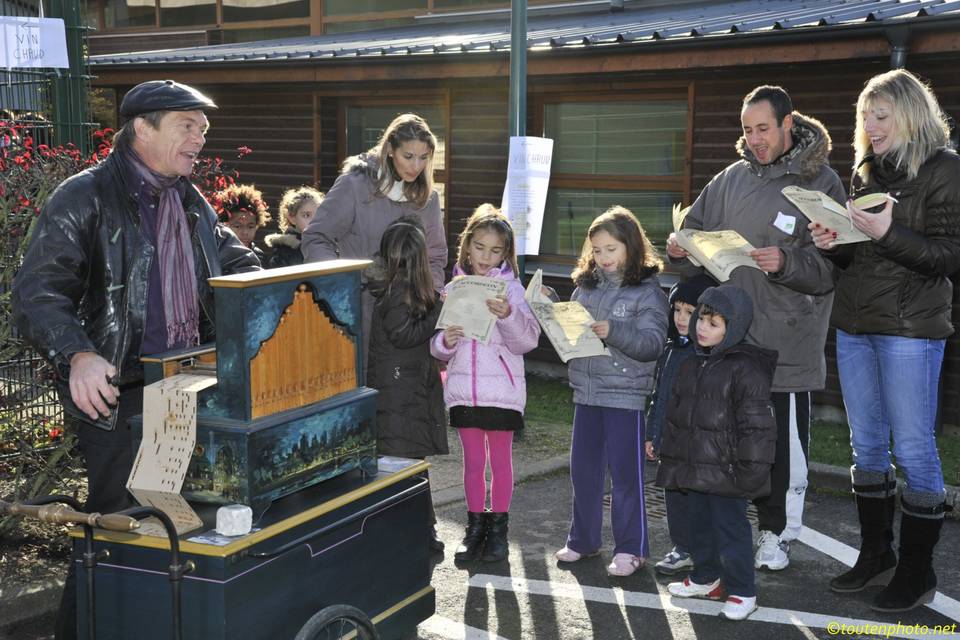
454,630
572,591
848,556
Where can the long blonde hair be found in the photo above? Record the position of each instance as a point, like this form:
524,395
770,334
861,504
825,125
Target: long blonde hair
920,125
406,127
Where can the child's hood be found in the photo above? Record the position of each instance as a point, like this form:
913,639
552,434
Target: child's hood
735,305
504,272
689,292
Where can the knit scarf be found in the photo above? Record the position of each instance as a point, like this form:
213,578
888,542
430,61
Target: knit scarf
178,278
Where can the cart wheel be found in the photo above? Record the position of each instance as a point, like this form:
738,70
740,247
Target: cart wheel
336,622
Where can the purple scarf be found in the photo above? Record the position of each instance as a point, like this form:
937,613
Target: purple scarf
175,252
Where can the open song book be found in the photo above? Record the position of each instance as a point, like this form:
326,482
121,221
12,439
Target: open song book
567,324
819,207
719,252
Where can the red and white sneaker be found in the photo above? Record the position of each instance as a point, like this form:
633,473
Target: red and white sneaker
738,607
690,589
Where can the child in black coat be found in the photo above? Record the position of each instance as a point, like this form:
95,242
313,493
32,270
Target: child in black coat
411,416
683,302
718,446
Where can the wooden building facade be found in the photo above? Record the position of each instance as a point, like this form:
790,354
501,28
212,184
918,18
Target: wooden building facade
643,124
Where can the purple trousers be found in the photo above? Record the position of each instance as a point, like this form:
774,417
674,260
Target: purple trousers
607,438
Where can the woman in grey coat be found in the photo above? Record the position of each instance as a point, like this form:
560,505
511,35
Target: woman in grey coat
393,179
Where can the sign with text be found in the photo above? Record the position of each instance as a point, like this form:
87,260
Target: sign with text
525,194
33,42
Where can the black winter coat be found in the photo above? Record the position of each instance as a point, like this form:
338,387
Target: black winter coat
83,282
721,431
411,417
286,249
900,284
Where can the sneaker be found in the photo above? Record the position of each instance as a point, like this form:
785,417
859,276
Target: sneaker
772,552
738,607
690,589
569,555
624,564
674,562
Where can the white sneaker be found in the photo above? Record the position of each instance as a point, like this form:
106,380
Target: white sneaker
772,552
569,555
674,562
738,607
690,589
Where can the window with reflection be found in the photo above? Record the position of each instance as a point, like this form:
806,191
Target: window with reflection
616,151
247,10
185,13
129,13
365,124
349,7
231,36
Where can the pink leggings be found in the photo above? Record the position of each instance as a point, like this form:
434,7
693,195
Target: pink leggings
478,445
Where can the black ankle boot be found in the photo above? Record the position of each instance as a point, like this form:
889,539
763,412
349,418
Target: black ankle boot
914,582
495,547
473,537
876,562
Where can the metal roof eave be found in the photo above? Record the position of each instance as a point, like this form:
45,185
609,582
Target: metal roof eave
813,33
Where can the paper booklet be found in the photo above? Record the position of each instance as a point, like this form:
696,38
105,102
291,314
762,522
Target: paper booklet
567,324
819,207
466,306
719,252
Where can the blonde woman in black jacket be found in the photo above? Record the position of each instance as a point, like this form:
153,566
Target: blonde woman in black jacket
892,312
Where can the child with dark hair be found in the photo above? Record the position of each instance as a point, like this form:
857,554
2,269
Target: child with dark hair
616,280
240,208
411,421
718,446
683,302
486,391
297,208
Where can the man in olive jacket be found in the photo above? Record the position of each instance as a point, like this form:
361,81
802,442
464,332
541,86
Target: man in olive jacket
791,290
117,267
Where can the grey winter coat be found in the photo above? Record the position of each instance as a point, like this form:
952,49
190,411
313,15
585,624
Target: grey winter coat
638,331
352,218
792,307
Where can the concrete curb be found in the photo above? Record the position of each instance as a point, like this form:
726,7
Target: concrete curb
450,495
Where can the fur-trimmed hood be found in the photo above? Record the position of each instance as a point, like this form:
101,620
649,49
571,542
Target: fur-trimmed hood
363,163
290,238
811,147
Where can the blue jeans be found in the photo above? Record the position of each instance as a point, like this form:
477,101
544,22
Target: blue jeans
889,386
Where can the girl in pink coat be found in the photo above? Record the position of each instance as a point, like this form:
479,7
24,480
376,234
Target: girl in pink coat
486,390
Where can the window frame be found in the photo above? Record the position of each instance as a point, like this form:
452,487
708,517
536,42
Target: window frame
615,92
439,98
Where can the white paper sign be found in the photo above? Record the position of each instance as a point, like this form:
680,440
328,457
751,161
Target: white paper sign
525,193
33,42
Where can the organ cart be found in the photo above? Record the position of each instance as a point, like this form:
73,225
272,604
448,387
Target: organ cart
287,428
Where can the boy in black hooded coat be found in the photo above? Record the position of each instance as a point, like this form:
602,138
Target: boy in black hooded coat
718,446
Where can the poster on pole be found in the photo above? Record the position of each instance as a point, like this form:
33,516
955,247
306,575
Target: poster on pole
27,42
525,193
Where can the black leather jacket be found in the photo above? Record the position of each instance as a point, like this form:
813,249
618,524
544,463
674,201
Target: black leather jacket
900,284
83,282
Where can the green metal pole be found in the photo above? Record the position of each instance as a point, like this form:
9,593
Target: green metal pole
518,80
69,97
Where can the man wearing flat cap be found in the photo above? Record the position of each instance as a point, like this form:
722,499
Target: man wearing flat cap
116,268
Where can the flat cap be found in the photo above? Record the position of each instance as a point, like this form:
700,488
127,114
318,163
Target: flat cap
163,95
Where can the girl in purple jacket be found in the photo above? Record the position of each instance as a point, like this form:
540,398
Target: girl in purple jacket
486,389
